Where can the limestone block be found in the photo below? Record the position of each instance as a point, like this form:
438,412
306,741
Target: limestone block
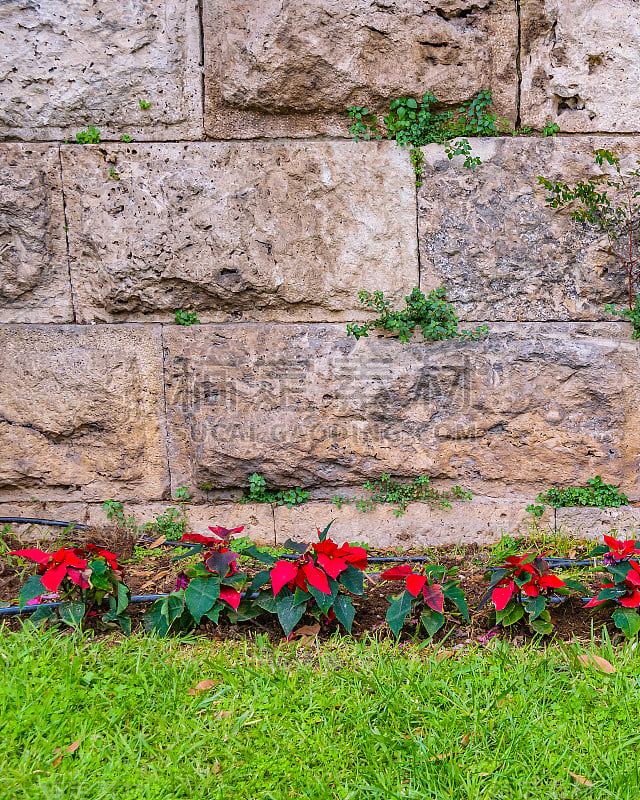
502,253
580,64
256,518
277,231
292,68
526,407
34,272
593,523
67,64
472,522
82,413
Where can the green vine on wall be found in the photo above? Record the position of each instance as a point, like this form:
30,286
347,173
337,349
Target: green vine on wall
595,494
389,491
609,202
415,123
433,314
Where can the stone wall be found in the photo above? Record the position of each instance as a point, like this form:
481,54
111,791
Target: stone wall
242,196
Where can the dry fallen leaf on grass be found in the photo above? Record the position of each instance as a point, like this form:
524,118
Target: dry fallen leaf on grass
442,654
599,663
61,751
209,683
441,757
581,779
466,738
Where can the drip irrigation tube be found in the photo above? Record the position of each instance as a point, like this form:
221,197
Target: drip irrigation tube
13,611
554,562
34,521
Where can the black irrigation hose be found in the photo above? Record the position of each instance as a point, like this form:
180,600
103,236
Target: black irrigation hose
14,611
33,521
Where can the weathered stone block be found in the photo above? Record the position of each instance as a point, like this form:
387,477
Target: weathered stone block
71,63
34,271
477,522
82,413
281,230
524,408
580,64
502,253
257,519
292,68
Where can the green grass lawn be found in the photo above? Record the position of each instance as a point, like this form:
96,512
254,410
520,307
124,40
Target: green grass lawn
347,720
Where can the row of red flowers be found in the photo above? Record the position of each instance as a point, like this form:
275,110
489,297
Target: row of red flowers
321,581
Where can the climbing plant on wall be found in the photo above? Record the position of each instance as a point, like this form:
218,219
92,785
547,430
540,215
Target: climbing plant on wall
414,123
609,202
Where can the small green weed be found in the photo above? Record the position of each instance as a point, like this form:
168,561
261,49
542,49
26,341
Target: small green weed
435,317
186,318
596,493
90,136
171,524
415,123
144,105
259,493
389,491
113,175
608,203
551,129
126,138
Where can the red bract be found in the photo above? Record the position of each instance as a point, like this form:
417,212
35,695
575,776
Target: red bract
231,596
396,573
502,594
621,550
631,583
334,559
108,556
54,567
282,573
526,574
225,533
298,573
198,538
416,583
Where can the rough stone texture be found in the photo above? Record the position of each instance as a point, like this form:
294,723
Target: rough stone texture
292,68
257,519
81,413
34,271
478,522
580,64
305,405
592,523
67,64
488,236
282,230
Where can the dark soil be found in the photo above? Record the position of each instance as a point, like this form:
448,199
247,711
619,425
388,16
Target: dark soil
154,572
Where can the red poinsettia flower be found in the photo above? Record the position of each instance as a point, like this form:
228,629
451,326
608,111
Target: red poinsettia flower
108,556
522,564
415,583
334,559
54,567
533,587
298,573
632,582
621,550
